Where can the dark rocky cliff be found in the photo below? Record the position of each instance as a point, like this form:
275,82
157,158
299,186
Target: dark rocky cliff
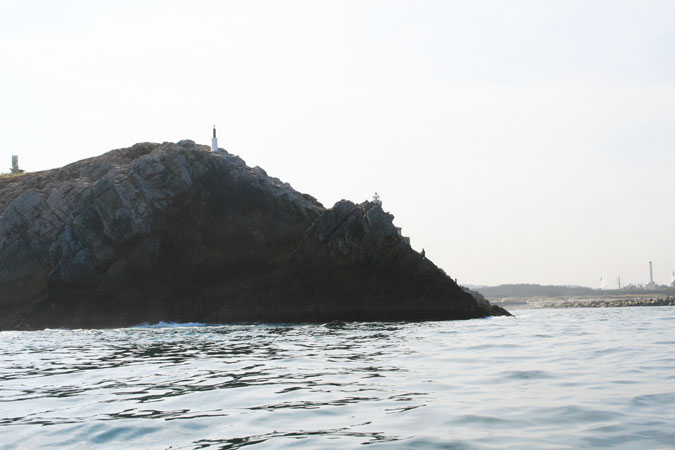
175,232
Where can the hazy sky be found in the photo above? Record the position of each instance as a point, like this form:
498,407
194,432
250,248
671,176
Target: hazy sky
516,141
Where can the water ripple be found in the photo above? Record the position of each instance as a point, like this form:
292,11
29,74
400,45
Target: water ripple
548,378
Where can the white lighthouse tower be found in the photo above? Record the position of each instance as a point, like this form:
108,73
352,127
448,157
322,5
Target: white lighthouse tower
214,140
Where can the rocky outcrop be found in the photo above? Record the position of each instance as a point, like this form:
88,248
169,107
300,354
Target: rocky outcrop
175,232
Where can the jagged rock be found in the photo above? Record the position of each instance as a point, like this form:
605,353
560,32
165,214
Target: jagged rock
175,232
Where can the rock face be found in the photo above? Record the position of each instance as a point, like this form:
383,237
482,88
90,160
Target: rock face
175,232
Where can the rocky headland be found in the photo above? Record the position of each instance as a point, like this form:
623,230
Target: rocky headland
175,232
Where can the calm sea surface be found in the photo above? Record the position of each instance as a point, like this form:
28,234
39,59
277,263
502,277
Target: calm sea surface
545,379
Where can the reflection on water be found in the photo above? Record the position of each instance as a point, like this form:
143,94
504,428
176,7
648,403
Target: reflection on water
560,378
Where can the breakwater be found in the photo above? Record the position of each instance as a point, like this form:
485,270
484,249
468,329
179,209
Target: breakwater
611,303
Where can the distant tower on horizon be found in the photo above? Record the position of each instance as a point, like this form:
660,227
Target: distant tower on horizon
15,165
214,140
651,286
651,273
376,199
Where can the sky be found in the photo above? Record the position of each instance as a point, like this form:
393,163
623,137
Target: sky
515,141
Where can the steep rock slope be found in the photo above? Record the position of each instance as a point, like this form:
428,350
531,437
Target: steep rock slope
175,232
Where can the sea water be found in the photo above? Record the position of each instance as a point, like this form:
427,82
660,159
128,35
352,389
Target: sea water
547,378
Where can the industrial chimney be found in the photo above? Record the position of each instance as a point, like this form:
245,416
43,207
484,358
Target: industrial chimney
651,286
651,273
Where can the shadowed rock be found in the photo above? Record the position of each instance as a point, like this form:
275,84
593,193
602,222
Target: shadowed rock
175,232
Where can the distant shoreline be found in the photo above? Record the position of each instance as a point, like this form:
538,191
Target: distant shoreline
525,291
612,303
584,302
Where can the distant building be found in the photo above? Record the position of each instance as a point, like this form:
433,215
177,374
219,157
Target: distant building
15,165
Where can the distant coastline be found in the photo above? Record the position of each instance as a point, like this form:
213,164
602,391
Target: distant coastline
607,301
611,303
524,290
